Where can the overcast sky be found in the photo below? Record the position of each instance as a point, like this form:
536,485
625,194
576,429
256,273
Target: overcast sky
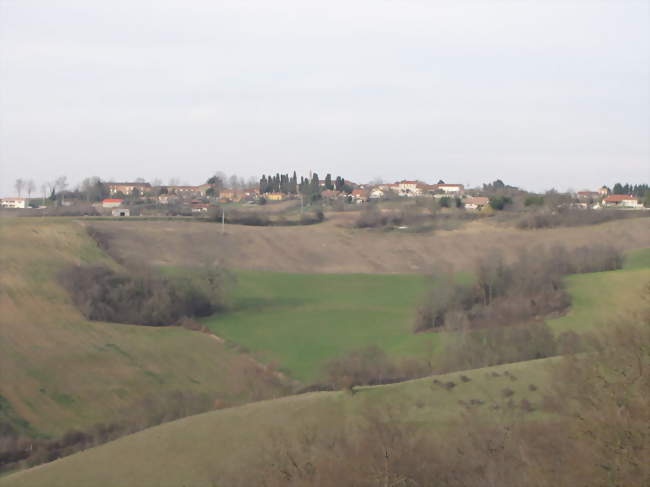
538,93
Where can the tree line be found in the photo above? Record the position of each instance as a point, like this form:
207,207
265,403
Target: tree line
286,184
638,190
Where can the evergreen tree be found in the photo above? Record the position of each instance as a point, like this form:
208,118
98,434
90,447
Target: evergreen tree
328,182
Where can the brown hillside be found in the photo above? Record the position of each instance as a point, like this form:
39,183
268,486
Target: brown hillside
332,247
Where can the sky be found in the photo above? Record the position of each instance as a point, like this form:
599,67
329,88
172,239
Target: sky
541,94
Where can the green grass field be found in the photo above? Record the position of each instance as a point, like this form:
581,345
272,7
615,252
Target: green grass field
194,451
301,320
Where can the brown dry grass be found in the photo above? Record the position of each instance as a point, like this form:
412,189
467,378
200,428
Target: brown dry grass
332,247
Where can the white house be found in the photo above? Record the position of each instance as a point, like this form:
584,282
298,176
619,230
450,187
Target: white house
14,203
407,188
450,188
121,212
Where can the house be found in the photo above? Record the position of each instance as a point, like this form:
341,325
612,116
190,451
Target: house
187,191
476,202
127,189
121,212
359,195
408,188
376,194
275,196
14,203
588,195
228,195
622,201
200,207
330,194
450,189
167,199
112,203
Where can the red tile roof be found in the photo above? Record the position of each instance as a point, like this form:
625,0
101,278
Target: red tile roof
112,200
617,198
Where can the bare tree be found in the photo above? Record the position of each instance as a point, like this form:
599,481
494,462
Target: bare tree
61,183
19,185
31,187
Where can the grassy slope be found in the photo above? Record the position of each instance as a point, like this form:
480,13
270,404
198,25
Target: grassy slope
193,451
600,296
59,371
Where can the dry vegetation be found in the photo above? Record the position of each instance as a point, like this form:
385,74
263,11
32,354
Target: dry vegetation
597,436
334,247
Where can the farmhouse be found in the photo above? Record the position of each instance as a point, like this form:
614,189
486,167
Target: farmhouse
200,207
127,189
112,203
454,189
408,188
588,195
359,195
187,191
14,203
275,196
475,202
622,201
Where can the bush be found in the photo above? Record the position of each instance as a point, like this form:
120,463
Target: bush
566,217
102,294
506,294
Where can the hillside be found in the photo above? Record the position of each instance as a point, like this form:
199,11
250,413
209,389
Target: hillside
199,450
333,247
59,371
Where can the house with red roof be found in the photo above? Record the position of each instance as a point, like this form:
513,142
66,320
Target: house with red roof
112,203
622,201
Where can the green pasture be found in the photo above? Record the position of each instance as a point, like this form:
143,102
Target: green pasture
302,320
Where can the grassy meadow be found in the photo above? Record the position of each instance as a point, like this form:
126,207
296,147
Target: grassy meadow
301,320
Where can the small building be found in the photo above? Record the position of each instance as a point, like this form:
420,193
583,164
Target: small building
476,202
275,196
622,201
167,199
14,203
589,195
200,207
121,212
359,195
454,189
112,203
376,194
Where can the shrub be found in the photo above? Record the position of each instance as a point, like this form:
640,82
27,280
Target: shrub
102,294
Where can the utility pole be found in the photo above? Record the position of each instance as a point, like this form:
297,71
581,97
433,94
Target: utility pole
223,221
